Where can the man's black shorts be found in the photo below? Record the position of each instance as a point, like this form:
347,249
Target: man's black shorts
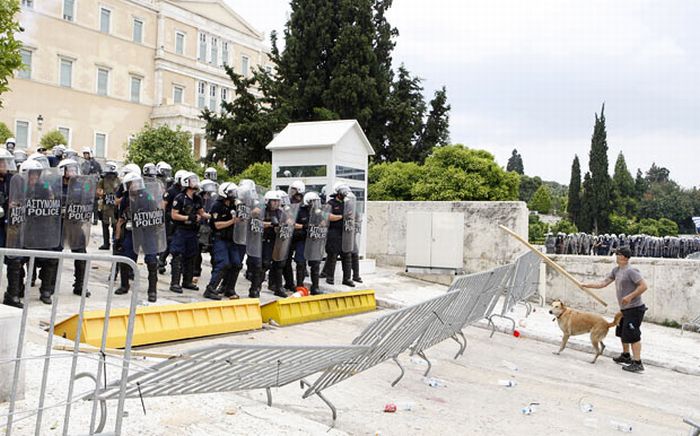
629,328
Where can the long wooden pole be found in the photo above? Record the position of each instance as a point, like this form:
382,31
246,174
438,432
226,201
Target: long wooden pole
554,265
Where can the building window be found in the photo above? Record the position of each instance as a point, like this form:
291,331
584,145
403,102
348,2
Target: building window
214,51
178,91
224,94
245,64
212,98
65,131
100,144
268,69
22,134
202,47
105,18
302,171
138,31
135,89
349,173
102,81
179,43
28,3
68,10
26,71
201,94
66,73
224,53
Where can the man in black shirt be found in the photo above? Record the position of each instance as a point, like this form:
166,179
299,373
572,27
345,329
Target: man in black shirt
227,257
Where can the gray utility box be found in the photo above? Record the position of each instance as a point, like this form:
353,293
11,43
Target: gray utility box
435,242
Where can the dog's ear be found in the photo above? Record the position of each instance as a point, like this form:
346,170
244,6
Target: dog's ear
562,304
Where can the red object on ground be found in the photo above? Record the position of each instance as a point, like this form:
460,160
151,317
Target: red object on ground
516,333
390,408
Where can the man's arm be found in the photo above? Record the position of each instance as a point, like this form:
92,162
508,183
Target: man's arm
600,285
641,288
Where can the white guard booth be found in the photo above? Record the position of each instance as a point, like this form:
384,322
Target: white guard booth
320,153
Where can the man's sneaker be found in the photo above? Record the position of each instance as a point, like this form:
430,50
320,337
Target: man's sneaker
635,366
623,359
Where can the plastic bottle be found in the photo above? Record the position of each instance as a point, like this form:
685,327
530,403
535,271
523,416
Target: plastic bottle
621,426
586,408
508,383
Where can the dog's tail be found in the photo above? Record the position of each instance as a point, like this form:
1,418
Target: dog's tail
616,321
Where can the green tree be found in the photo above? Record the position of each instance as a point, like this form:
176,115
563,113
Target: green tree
238,136
10,58
52,138
5,133
599,193
541,200
623,189
528,186
564,226
515,163
161,143
573,207
405,123
536,230
260,173
622,224
666,200
657,174
393,181
436,132
585,221
454,173
667,227
640,185
648,226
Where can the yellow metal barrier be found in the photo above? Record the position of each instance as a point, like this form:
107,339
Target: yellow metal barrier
155,324
317,307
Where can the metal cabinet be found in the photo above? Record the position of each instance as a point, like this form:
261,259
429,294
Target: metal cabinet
434,242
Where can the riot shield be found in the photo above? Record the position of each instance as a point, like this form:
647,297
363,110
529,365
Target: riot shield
349,211
148,218
240,228
316,232
283,241
209,201
78,203
16,213
42,228
359,214
255,227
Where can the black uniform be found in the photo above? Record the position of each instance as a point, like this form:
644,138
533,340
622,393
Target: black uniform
185,244
296,252
169,196
334,245
15,271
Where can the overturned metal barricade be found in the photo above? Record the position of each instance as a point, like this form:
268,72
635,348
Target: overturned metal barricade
230,367
691,325
523,285
695,427
30,257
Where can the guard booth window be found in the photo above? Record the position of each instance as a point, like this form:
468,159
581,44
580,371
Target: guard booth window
302,171
349,173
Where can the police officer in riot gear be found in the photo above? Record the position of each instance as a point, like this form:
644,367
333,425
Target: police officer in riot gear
149,170
169,196
20,157
210,174
271,224
187,211
208,192
334,243
10,144
227,258
107,189
14,265
165,173
296,193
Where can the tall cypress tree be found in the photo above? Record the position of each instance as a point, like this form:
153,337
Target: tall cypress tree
573,207
600,178
585,221
436,131
623,192
515,162
407,109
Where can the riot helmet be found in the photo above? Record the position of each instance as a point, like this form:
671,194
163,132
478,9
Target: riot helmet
209,186
190,181
210,174
7,161
69,153
311,199
150,170
43,160
164,169
130,168
10,144
20,156
110,168
68,168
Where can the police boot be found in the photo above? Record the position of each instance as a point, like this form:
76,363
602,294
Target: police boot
276,278
162,257
288,275
329,268
346,263
256,274
23,276
188,274
105,237
47,275
14,279
356,268
79,278
315,267
301,273
152,281
229,283
175,274
124,279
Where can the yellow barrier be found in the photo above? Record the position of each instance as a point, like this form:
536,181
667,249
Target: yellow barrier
155,324
317,307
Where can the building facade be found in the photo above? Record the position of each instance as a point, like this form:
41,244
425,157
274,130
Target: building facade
98,70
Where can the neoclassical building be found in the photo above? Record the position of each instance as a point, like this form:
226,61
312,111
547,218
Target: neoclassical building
98,70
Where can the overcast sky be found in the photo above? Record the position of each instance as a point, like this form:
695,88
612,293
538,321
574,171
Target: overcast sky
531,75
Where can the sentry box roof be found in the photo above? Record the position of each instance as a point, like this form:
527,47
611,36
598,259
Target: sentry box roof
318,134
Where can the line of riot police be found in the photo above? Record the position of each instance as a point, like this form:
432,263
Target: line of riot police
606,244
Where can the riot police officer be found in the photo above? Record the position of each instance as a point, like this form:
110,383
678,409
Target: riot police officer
149,170
227,258
296,193
271,224
10,144
14,265
169,196
334,243
107,202
165,173
210,174
208,192
187,211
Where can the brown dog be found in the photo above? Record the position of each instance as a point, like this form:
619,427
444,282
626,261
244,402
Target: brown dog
574,322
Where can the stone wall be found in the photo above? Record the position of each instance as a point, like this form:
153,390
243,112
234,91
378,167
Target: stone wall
674,285
485,245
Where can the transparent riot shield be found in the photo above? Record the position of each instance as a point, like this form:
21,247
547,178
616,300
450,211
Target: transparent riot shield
358,229
42,228
16,212
283,241
240,228
255,226
209,201
349,212
79,200
147,218
316,232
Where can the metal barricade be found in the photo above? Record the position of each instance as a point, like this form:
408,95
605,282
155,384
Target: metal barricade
30,257
694,325
695,427
522,286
